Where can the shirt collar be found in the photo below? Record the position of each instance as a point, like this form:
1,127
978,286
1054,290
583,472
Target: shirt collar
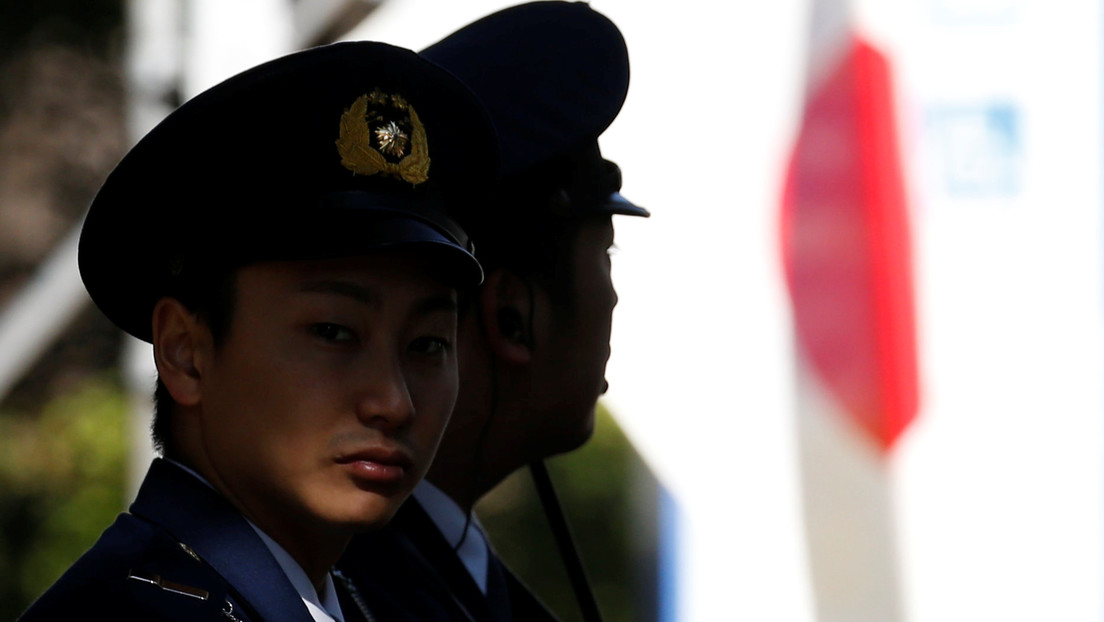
461,530
323,607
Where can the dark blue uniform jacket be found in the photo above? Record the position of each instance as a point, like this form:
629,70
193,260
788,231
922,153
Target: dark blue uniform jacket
181,553
425,581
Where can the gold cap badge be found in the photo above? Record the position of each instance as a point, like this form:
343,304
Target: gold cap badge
381,133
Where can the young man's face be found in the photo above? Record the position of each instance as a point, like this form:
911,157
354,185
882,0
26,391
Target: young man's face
326,400
575,375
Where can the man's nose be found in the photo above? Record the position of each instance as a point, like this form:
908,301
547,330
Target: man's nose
384,401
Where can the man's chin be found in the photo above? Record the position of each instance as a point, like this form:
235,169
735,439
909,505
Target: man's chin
570,440
368,514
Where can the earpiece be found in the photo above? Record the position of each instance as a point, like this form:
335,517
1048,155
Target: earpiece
507,302
510,324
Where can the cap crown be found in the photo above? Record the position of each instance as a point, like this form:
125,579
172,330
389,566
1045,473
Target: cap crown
335,150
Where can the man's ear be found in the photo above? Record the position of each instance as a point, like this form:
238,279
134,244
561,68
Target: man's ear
179,341
505,304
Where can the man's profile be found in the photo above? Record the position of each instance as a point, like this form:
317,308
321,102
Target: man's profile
534,346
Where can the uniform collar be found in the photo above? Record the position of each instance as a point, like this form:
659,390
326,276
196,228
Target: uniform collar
197,516
323,607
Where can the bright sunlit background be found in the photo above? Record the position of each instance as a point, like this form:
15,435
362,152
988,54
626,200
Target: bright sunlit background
776,503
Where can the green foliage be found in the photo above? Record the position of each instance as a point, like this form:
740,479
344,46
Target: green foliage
62,481
608,496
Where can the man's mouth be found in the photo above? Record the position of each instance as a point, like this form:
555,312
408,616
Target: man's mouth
377,465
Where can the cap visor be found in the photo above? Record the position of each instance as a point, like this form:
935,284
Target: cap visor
617,204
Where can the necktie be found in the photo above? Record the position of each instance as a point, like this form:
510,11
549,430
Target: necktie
353,606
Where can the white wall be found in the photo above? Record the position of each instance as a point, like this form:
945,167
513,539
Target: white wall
1000,483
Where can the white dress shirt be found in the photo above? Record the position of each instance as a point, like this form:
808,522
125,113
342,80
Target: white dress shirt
453,523
322,607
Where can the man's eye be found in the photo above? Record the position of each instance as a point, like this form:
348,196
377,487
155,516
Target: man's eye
430,345
332,332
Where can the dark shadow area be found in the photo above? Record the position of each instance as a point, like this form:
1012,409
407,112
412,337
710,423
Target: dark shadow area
611,499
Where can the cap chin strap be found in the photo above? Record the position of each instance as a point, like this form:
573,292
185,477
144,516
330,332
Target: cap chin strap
553,511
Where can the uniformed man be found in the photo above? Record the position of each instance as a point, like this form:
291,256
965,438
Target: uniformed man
284,242
533,349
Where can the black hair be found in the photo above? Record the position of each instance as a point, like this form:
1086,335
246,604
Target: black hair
534,247
530,225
